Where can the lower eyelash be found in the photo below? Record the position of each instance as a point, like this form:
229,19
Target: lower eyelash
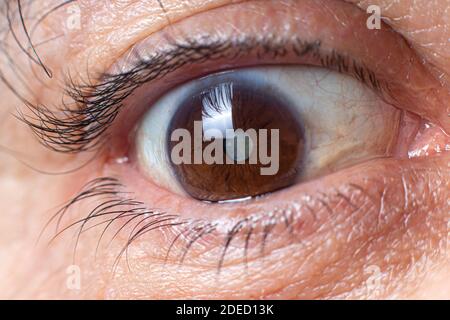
115,204
369,206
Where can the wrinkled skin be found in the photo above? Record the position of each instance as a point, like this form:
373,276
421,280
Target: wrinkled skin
333,260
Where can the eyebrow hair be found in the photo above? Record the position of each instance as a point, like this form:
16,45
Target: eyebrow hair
82,124
7,28
16,81
5,8
10,18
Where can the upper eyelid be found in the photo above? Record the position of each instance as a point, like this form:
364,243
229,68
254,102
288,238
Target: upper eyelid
96,105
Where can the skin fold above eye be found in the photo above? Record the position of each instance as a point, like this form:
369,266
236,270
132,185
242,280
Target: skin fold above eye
324,238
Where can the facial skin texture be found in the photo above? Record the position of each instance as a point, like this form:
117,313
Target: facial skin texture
337,254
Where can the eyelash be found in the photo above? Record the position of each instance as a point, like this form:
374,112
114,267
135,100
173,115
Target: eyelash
81,125
109,191
110,198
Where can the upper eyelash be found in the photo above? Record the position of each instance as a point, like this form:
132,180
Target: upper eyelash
82,124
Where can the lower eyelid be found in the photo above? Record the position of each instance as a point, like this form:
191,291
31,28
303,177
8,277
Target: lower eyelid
367,203
354,218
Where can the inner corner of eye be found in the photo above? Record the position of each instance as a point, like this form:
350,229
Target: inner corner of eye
419,138
247,132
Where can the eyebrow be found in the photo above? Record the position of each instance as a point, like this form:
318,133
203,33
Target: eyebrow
82,125
13,11
18,14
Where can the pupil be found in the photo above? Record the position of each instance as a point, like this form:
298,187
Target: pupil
238,140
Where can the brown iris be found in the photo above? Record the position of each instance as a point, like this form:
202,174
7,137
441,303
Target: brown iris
233,139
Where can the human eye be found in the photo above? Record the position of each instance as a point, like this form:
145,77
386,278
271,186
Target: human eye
248,132
271,142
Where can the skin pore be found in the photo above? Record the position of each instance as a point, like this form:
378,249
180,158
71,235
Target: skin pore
400,234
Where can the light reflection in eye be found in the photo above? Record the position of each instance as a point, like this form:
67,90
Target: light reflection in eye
252,131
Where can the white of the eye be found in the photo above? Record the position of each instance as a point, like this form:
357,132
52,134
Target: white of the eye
344,121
